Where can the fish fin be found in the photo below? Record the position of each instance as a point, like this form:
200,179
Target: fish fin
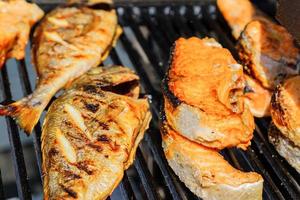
26,116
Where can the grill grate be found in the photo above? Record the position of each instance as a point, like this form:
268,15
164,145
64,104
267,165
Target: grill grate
149,31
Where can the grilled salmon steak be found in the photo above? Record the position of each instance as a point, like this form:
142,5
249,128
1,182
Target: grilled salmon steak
16,19
203,92
68,42
238,13
269,53
257,97
91,133
205,172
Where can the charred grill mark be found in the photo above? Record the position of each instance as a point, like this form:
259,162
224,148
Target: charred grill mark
103,138
104,126
85,167
91,89
71,175
91,107
162,119
69,191
275,104
53,152
98,148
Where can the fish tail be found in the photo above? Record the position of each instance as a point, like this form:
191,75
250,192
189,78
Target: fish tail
25,115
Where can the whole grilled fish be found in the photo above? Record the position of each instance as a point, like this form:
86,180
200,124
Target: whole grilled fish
16,19
91,133
69,42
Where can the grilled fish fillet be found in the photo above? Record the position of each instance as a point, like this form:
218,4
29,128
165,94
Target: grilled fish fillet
285,109
257,97
16,19
69,42
91,133
203,92
269,52
238,13
205,172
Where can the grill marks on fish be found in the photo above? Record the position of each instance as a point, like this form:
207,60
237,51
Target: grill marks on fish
68,42
116,124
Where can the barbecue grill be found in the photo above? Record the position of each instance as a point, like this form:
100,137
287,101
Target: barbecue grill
149,31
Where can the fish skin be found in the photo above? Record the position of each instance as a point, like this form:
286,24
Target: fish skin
92,163
68,42
16,19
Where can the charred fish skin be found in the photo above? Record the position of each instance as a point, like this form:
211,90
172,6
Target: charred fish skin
68,42
90,135
16,20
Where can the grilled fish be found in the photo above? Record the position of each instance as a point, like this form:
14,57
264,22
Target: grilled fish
91,133
238,13
284,132
268,52
68,42
16,19
203,92
205,172
257,97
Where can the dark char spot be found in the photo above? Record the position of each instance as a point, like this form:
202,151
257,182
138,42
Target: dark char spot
90,89
104,126
103,138
84,166
91,107
96,147
71,192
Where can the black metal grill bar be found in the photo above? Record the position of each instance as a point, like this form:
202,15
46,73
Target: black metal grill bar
26,88
1,187
15,143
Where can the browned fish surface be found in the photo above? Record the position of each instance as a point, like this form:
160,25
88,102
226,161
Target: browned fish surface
69,42
16,19
204,98
206,173
238,13
91,133
269,53
257,97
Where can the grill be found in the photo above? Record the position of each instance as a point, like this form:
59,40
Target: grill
149,31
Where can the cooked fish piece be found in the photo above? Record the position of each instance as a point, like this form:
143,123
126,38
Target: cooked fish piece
69,42
91,133
285,109
257,97
285,147
205,172
16,19
238,13
203,92
90,2
268,52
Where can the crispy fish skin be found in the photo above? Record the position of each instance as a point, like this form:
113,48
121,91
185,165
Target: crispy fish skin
238,13
68,42
16,19
203,92
268,52
285,109
205,172
257,97
91,133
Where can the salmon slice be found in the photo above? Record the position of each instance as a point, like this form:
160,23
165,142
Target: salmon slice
68,42
268,52
91,133
205,172
238,13
203,92
16,19
257,98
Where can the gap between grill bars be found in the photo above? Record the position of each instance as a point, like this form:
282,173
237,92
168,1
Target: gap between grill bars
149,32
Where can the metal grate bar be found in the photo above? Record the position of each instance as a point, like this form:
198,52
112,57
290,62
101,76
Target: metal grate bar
15,143
1,187
24,77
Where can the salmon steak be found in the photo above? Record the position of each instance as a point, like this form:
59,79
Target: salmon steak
205,172
68,42
268,52
16,19
91,133
203,92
